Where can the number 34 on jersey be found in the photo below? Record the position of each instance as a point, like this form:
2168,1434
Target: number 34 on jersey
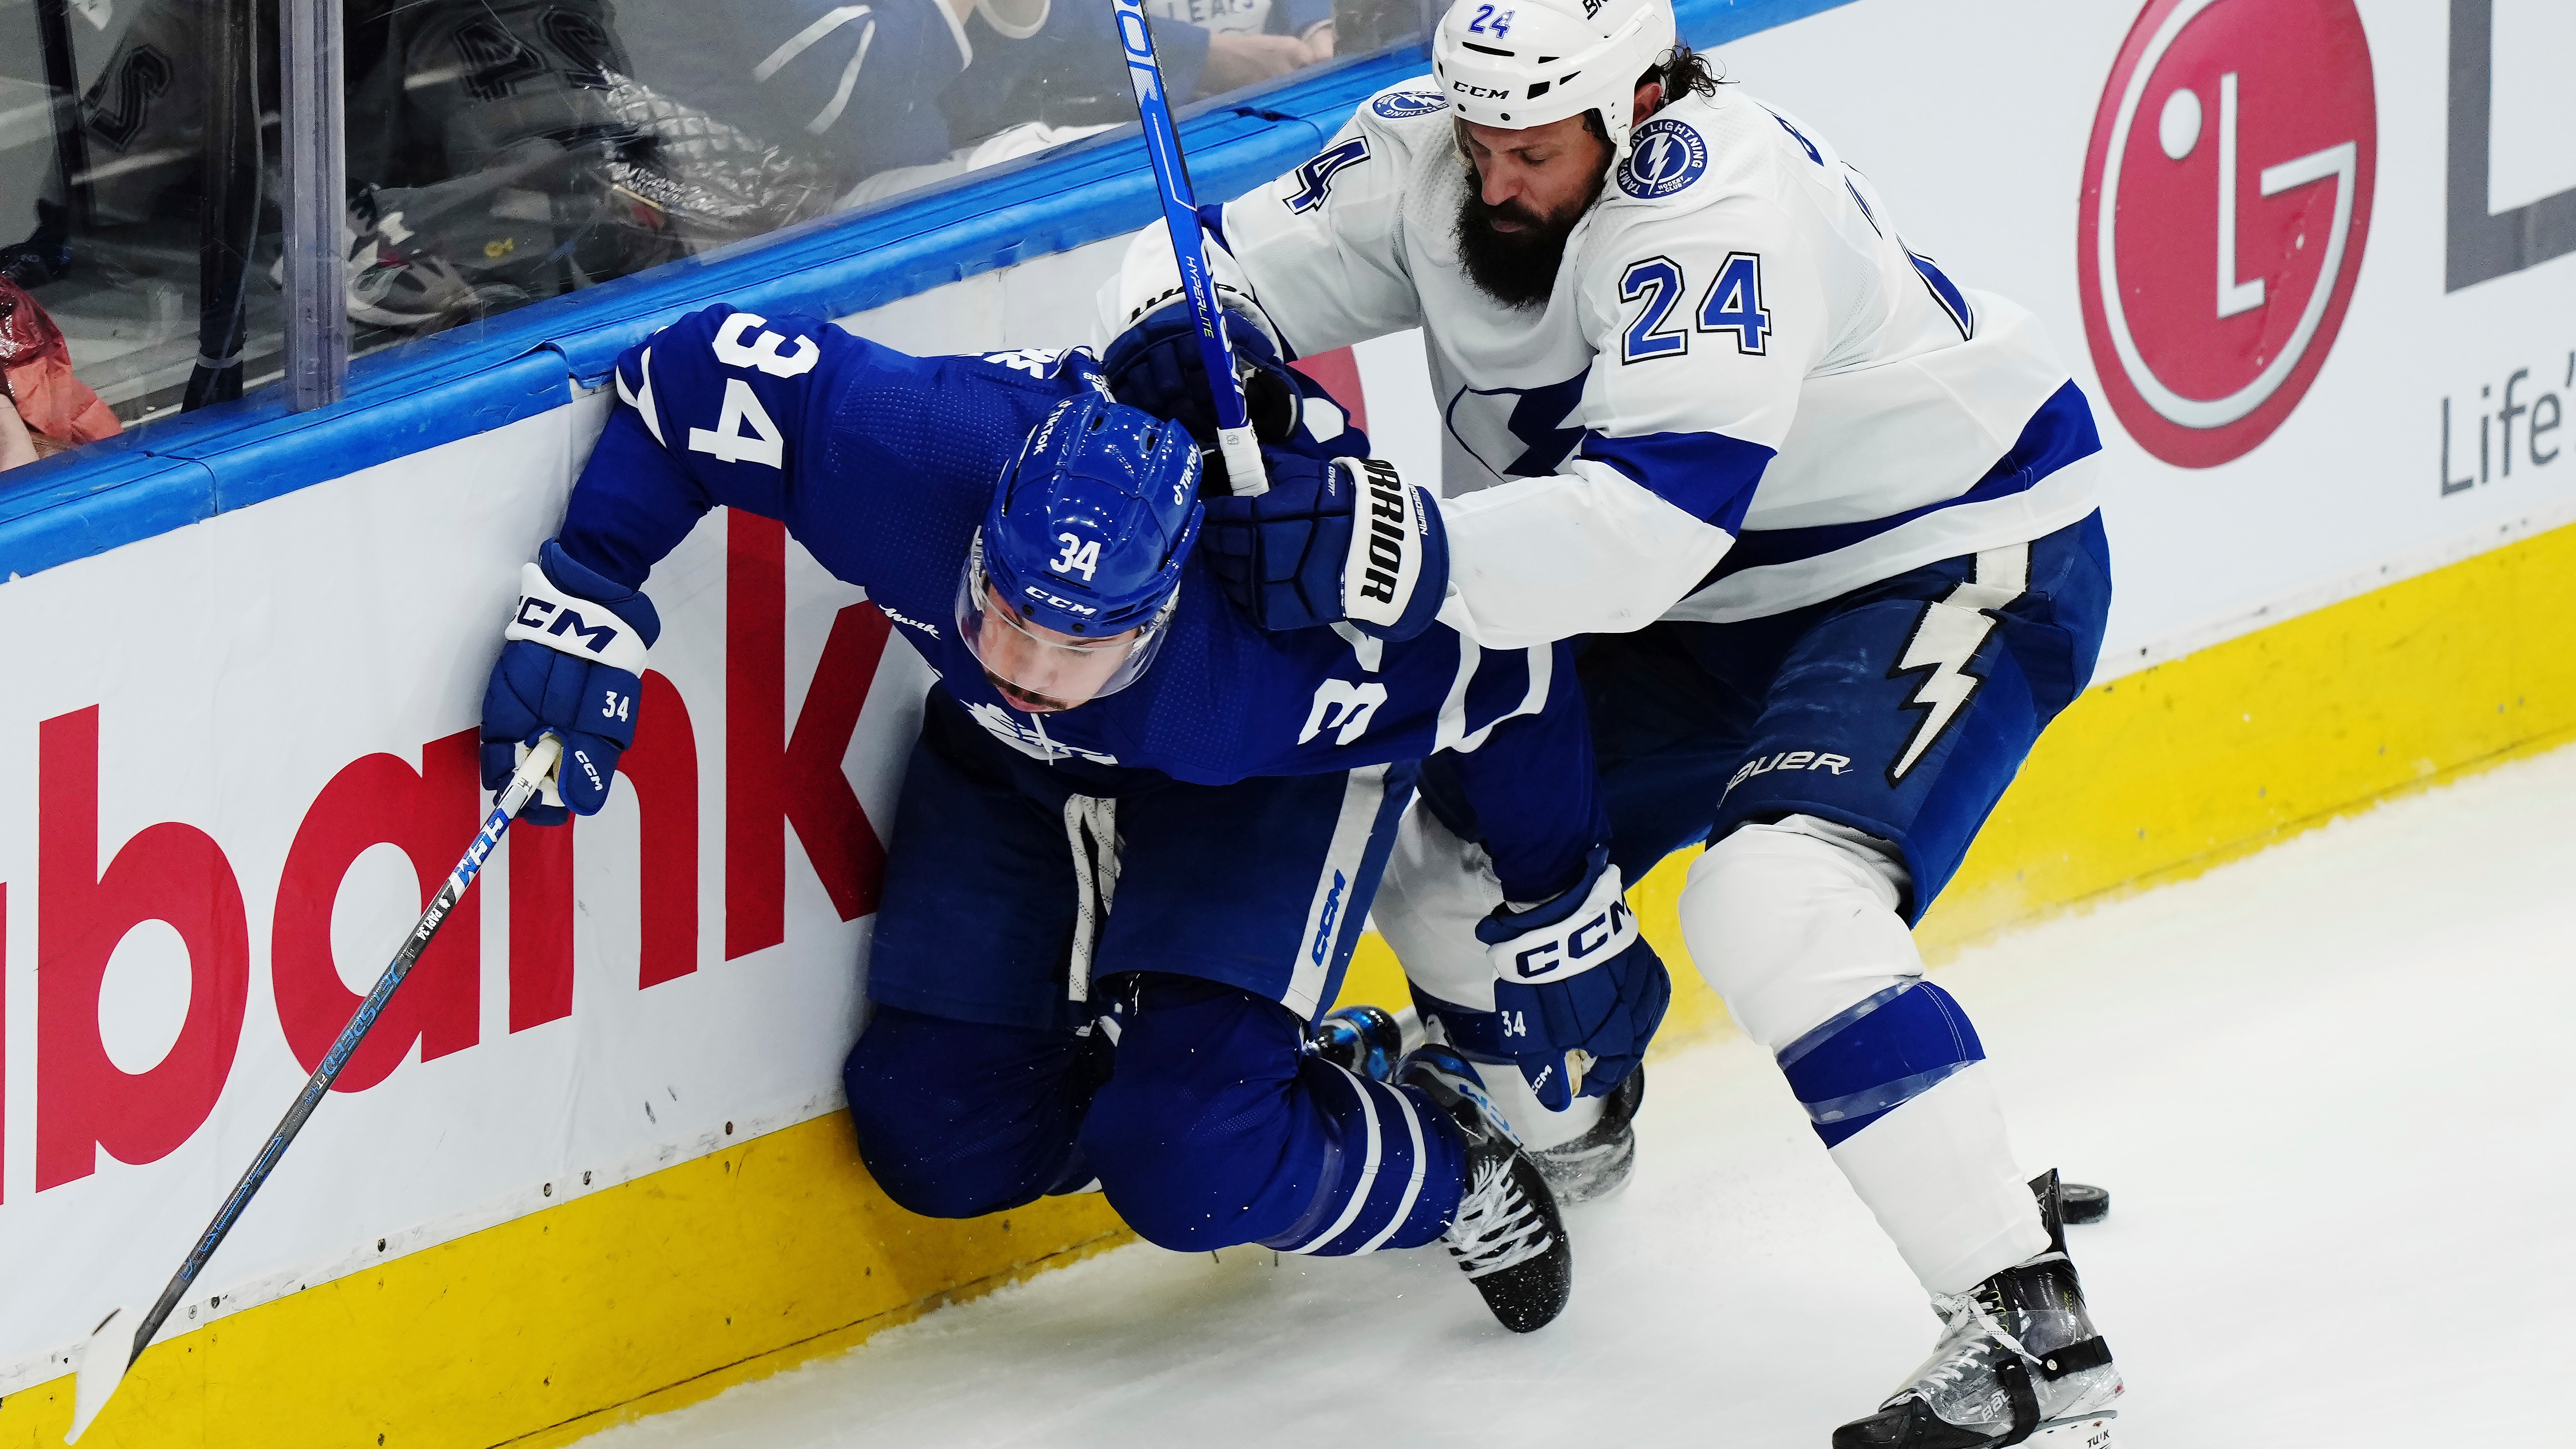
744,431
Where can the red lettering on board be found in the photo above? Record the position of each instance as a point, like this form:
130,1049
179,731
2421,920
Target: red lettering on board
166,872
820,803
663,769
432,814
541,917
802,783
755,715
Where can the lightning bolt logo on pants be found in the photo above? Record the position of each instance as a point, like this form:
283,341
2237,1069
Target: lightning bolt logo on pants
1953,628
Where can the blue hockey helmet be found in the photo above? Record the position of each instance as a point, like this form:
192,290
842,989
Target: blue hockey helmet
1081,552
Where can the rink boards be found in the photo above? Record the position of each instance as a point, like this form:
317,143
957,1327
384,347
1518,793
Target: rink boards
593,1163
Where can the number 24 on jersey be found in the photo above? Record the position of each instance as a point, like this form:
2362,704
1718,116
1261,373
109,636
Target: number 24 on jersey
1732,303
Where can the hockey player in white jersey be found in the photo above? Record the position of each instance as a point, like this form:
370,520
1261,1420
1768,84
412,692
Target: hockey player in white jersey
1829,518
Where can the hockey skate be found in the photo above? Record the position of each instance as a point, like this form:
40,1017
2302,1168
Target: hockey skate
1363,1040
1599,1162
1507,1237
2018,1362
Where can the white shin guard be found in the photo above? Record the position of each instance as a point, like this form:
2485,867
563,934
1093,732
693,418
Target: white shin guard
1797,922
1940,1176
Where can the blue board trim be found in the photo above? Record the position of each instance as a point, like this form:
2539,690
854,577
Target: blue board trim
478,378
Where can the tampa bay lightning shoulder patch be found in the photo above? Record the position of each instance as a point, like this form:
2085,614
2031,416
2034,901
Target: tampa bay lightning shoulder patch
1404,105
1664,156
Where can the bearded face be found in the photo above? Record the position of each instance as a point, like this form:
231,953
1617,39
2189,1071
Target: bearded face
1511,249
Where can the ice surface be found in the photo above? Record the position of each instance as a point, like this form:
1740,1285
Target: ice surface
2329,1088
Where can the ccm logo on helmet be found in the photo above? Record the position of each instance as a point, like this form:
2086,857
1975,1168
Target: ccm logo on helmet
1482,93
1052,602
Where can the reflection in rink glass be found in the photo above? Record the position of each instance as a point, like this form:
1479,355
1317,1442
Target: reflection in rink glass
503,151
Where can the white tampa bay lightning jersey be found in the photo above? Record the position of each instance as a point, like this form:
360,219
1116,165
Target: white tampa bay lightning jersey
1745,395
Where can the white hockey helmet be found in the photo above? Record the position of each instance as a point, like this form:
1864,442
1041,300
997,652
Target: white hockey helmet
1522,63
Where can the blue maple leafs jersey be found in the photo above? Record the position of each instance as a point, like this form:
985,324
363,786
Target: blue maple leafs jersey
882,464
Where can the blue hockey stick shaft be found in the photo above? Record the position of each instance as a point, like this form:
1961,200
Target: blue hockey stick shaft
514,797
1235,440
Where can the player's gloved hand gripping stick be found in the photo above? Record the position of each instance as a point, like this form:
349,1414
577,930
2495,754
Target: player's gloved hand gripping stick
109,1353
571,666
1235,438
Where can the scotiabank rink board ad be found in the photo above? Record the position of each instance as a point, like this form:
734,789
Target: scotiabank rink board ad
2309,258
240,756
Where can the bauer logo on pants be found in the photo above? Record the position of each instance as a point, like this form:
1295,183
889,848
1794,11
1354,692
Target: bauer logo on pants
2227,193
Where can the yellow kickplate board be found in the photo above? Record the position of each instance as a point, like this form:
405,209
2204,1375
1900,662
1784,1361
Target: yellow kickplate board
670,1288
645,1296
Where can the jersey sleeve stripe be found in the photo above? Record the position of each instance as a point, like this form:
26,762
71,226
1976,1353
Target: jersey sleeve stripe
2060,433
1709,476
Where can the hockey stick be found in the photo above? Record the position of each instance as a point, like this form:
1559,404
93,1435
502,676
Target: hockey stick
1235,440
104,1361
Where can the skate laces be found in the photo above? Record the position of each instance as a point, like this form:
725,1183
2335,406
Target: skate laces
1965,1315
1496,1226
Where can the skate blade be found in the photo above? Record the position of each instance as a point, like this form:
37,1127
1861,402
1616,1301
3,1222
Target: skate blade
2077,1431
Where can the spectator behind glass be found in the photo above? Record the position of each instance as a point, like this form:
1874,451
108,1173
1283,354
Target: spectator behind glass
1251,41
43,408
857,85
506,150
498,151
1075,73
531,147
1071,80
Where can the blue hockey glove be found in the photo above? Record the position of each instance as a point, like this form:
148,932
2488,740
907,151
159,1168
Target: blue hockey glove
1333,539
572,664
1577,990
1156,365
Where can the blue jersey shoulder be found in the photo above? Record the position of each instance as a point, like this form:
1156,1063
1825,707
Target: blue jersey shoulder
881,464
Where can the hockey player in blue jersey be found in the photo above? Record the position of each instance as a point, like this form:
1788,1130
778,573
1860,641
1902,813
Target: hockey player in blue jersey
1128,807
1830,518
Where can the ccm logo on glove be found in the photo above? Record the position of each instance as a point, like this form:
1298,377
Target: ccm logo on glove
547,615
1601,929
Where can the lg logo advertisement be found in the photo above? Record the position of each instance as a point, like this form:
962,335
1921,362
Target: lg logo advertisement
2227,201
